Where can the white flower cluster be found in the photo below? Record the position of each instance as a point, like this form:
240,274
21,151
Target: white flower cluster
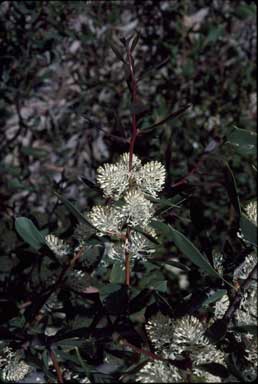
115,179
57,246
251,210
139,247
133,209
158,371
13,368
171,339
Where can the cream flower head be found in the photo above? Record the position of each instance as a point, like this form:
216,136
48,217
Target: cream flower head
151,178
13,368
187,334
115,179
58,246
137,209
106,219
139,247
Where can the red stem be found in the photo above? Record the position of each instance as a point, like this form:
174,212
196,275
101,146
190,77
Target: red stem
184,179
131,150
134,96
57,368
127,259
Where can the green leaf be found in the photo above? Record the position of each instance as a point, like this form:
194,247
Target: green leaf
10,169
70,343
135,41
117,274
244,11
249,229
231,187
109,289
116,51
245,141
34,152
74,210
187,248
154,280
84,365
15,184
27,230
45,358
214,33
160,286
171,263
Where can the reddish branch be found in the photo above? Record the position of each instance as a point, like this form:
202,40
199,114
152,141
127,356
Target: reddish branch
143,351
183,181
134,96
57,367
127,258
131,150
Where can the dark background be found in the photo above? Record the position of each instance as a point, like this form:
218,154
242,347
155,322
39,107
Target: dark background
65,109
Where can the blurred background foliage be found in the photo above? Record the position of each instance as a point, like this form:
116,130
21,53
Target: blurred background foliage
65,109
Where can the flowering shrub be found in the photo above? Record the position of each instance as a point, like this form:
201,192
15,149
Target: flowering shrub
99,306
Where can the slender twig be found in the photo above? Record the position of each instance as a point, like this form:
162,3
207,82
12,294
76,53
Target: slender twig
57,367
134,96
127,258
179,363
131,150
183,181
172,115
143,351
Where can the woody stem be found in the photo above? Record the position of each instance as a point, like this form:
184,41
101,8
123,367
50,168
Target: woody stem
131,150
134,96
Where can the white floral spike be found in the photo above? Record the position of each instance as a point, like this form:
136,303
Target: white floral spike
13,369
218,262
221,306
139,247
244,269
57,246
159,372
160,330
151,178
106,219
251,210
124,161
187,335
247,312
113,180
137,210
189,331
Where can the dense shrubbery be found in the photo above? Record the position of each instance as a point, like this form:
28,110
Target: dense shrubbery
144,267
